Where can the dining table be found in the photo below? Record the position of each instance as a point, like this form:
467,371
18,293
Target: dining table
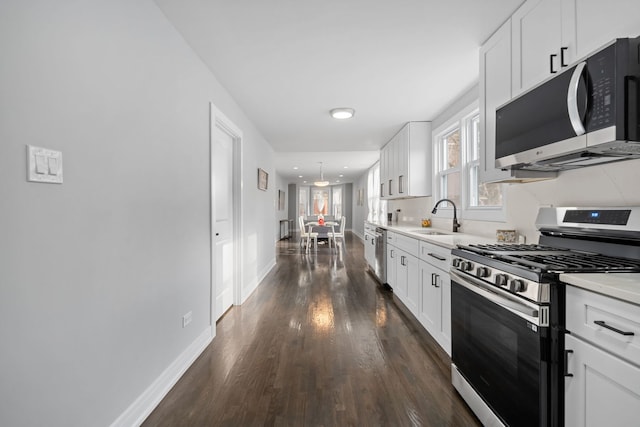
330,224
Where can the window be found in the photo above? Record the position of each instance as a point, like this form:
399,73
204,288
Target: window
457,164
337,201
377,207
303,201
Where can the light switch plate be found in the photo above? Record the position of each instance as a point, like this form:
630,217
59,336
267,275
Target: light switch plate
44,165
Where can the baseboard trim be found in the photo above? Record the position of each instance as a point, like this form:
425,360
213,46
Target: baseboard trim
140,409
246,292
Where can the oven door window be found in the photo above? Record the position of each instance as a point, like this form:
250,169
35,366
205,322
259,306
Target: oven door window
501,355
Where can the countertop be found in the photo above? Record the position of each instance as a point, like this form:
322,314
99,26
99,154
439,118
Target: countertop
448,239
624,286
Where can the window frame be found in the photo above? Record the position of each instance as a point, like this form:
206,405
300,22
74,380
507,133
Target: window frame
463,120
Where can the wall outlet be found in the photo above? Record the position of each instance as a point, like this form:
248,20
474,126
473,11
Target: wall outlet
186,319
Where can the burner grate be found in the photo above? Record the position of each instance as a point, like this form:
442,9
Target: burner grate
576,262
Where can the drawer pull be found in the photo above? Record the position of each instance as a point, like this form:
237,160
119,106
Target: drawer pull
438,257
566,363
619,331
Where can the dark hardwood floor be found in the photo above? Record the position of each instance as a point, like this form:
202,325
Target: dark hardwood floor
319,343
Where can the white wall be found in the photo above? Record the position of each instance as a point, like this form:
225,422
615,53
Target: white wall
96,273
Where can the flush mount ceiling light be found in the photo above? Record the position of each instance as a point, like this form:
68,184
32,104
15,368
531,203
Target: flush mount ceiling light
342,113
322,182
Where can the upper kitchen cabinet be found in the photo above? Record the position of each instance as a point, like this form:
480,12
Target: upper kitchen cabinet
549,35
598,23
495,90
542,32
406,163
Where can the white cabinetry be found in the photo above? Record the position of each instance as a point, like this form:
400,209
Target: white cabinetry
435,304
370,245
603,359
549,35
542,34
404,252
406,163
592,16
495,90
392,253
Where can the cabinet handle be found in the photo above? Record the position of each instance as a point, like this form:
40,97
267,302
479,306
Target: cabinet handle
382,190
390,187
611,328
433,279
562,51
366,237
436,282
566,363
438,257
551,70
392,253
401,184
402,260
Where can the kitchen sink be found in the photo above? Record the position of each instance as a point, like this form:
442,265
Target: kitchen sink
430,232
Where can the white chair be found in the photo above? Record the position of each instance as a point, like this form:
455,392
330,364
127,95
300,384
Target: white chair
338,234
306,236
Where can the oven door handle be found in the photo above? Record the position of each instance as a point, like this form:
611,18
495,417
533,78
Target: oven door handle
499,297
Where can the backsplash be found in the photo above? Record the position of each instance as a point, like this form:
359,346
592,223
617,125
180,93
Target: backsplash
614,184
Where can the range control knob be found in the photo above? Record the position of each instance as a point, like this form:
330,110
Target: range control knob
501,279
456,262
482,272
466,266
517,285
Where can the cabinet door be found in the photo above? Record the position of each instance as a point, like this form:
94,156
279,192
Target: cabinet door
383,170
393,168
495,89
598,23
536,35
370,250
392,253
414,288
402,275
430,305
604,390
402,162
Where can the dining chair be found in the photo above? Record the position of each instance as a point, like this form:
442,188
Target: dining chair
306,236
338,234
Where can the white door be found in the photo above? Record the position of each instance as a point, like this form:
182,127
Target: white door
222,218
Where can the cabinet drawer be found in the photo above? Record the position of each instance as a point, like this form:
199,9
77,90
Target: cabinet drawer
408,244
391,238
435,255
606,322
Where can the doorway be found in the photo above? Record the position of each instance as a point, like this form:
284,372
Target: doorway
226,242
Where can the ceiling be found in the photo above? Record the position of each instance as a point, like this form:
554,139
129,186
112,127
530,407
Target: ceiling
288,62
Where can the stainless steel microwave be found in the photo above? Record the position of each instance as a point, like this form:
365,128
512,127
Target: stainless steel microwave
586,115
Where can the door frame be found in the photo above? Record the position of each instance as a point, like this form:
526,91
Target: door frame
218,119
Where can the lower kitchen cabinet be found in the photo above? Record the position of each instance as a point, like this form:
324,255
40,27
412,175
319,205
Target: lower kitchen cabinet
408,277
602,386
603,391
435,305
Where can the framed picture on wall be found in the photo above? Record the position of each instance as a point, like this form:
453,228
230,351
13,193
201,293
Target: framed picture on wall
280,200
263,179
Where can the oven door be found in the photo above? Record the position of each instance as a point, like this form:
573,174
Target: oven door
500,347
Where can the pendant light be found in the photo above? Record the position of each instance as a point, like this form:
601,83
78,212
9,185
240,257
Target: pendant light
322,182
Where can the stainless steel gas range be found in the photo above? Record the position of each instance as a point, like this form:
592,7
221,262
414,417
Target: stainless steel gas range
508,310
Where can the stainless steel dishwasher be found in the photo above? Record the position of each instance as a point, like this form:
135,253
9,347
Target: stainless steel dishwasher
381,254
